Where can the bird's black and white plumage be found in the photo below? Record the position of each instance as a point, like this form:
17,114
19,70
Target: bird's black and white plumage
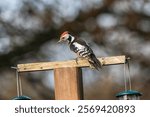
81,48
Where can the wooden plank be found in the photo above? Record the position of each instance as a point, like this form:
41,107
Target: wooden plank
70,63
68,84
114,60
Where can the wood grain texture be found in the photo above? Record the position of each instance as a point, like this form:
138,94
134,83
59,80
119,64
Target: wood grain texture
68,84
70,63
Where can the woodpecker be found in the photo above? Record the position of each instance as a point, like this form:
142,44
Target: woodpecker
81,48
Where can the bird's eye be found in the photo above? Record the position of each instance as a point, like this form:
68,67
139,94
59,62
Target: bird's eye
63,37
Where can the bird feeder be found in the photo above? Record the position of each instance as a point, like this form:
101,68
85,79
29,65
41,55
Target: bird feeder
23,97
129,95
19,88
68,75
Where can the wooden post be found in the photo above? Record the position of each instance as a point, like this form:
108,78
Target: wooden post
68,83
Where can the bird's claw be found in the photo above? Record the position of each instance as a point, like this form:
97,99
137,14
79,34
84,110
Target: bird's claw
76,60
91,66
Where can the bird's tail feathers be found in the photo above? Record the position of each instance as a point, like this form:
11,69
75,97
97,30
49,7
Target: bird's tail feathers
95,62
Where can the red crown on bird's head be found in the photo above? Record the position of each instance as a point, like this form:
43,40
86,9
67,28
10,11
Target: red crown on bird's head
66,32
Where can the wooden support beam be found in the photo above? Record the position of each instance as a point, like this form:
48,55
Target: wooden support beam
70,63
68,83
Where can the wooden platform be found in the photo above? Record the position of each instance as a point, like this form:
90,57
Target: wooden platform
68,75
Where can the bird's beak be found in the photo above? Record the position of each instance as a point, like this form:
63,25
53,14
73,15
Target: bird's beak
59,41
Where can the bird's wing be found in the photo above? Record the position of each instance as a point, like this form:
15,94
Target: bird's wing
82,42
92,58
81,48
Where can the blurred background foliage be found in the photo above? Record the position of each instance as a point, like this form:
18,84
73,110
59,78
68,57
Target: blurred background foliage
29,30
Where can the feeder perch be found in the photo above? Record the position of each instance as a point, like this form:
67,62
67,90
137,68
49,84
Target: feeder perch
129,95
